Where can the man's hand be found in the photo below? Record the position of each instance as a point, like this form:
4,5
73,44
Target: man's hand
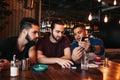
77,54
1,64
64,62
85,44
4,64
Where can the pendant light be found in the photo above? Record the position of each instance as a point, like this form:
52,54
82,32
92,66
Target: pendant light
106,19
99,0
115,3
119,21
90,16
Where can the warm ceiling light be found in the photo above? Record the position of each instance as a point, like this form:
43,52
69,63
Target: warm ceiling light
99,0
65,25
87,27
119,21
106,19
115,3
90,16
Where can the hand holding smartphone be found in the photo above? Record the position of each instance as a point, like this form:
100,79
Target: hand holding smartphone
84,42
83,38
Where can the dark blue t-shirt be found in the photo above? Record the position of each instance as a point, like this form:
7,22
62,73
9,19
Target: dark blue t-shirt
93,42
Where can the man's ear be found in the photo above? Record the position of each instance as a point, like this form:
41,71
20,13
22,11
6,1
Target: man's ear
24,31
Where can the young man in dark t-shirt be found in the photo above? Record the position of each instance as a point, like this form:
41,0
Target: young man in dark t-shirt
22,46
56,47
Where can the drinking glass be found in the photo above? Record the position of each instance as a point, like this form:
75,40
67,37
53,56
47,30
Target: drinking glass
84,62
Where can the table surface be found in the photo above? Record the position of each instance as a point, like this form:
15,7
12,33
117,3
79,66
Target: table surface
55,72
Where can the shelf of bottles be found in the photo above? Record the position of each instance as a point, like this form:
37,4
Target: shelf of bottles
45,26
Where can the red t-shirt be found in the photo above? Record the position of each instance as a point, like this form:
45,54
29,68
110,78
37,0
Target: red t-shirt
53,49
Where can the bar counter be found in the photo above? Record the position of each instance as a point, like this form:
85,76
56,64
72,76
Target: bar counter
55,72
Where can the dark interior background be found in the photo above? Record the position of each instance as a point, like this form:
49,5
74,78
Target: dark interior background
68,10
110,33
78,10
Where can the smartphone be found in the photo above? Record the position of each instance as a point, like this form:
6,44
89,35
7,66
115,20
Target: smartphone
73,67
83,38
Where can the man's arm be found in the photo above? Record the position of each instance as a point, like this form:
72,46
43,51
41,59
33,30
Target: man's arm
67,53
64,62
98,47
32,54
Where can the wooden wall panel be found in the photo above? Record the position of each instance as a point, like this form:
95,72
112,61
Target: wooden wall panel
18,12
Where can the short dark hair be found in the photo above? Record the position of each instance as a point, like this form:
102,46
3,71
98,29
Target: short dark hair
79,25
56,21
27,22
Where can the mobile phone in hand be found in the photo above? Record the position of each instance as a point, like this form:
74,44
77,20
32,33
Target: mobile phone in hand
83,38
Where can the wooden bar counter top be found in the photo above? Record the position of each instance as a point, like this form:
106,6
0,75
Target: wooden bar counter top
55,72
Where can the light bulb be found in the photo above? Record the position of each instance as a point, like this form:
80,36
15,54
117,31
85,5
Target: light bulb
90,17
119,21
115,2
99,0
105,19
65,25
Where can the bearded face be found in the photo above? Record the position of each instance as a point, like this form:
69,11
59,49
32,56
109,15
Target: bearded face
58,32
32,34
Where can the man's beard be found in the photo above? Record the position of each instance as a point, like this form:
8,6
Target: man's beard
57,40
29,40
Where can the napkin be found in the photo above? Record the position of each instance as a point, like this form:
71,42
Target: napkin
91,65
